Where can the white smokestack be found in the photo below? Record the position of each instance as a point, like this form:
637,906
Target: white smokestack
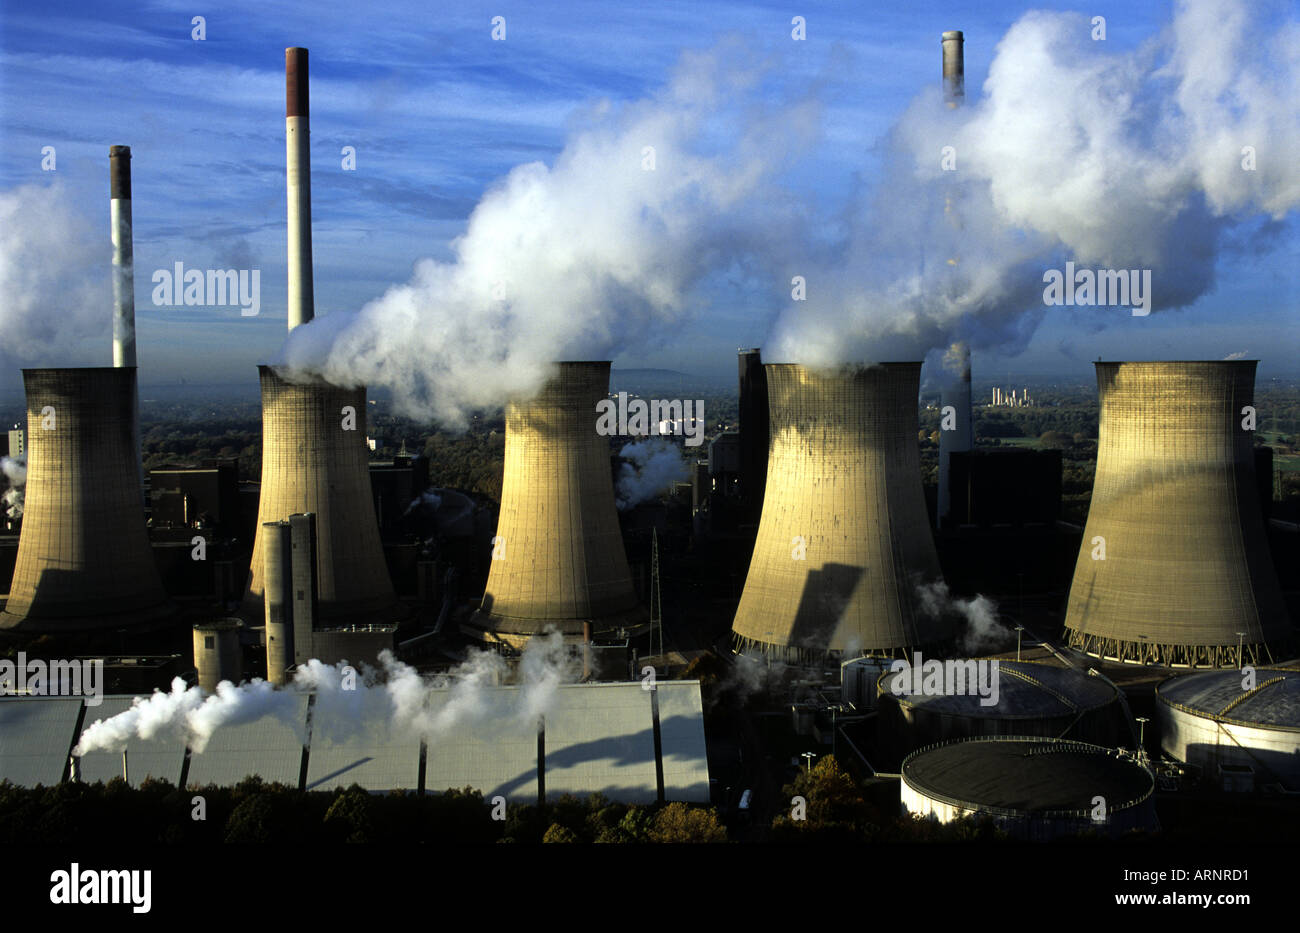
119,172
297,137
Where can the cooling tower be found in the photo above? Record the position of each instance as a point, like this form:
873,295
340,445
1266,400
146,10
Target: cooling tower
1175,562
314,459
84,560
558,554
844,538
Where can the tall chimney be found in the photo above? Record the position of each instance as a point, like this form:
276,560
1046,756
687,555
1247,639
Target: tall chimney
297,136
955,390
954,68
119,206
119,213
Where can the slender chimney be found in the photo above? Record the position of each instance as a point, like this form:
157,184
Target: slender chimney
954,69
119,174
298,162
955,392
119,213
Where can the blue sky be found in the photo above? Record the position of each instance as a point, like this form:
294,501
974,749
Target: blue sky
438,112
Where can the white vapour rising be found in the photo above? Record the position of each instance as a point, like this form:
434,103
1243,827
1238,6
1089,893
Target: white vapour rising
584,258
397,698
54,274
429,498
983,631
1115,160
15,471
655,464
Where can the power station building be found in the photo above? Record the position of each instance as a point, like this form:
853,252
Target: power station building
1175,568
558,558
844,540
84,560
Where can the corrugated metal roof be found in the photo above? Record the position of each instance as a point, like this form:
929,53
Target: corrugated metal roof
600,739
267,747
681,734
159,758
370,755
496,754
35,737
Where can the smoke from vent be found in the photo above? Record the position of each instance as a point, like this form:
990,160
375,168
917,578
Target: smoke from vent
981,630
55,276
396,694
15,471
653,466
429,499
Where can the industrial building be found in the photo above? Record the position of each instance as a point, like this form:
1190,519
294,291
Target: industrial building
1175,568
84,561
1033,789
1033,699
1242,738
844,539
630,744
558,557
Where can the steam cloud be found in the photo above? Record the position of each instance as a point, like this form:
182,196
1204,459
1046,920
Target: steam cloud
54,274
1129,160
396,695
584,258
982,631
655,465
15,471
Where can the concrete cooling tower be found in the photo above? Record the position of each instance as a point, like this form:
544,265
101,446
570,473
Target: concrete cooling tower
558,555
1175,567
314,459
84,560
844,539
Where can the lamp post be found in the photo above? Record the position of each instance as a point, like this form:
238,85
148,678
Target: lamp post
1240,637
809,756
1019,629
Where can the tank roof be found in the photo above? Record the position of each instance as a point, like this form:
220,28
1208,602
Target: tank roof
1273,703
1027,774
1025,690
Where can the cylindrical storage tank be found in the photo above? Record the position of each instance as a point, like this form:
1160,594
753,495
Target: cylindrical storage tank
844,541
1034,789
84,560
276,548
217,654
1221,719
315,459
1031,699
1175,561
558,557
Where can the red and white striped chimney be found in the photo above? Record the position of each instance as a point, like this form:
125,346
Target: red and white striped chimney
298,159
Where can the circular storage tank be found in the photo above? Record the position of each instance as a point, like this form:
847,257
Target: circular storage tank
1034,789
1032,699
1243,737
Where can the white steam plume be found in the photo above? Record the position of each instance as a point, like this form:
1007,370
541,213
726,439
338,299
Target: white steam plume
406,703
655,464
584,258
982,630
54,274
15,471
1115,160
